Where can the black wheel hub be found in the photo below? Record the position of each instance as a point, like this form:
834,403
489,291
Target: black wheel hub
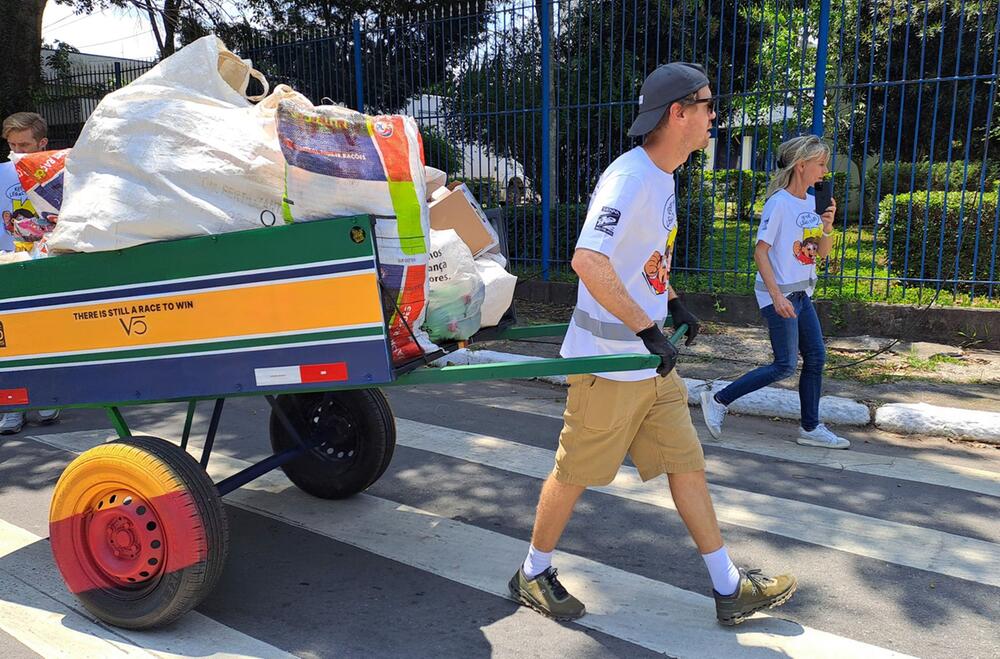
333,433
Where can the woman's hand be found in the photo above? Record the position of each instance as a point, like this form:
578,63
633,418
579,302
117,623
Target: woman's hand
783,307
829,216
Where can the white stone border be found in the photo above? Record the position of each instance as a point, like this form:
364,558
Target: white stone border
924,419
769,401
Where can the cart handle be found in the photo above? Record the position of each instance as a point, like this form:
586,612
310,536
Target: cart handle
533,368
537,331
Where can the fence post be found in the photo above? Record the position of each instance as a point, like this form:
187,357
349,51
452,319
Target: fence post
358,68
545,27
118,75
822,47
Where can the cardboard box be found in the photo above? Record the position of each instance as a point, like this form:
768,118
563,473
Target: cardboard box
454,207
435,180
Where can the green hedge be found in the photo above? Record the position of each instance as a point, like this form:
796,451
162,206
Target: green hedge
932,210
940,174
741,193
524,232
740,190
739,186
839,180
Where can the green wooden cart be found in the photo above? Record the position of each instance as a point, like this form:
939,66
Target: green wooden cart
294,313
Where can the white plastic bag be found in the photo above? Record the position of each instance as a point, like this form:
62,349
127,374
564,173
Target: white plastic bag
456,290
181,151
499,287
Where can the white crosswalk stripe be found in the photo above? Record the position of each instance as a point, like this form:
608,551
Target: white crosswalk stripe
920,470
637,609
37,610
903,544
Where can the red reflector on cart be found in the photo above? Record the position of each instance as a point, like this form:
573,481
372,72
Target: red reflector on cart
324,372
306,373
13,396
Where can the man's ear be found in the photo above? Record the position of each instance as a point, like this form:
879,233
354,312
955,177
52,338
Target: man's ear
676,110
42,143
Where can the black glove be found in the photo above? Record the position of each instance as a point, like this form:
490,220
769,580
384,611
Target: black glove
681,316
657,344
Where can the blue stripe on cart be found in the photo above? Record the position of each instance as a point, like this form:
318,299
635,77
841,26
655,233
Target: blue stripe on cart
359,363
207,283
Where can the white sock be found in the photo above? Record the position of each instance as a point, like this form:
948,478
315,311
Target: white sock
536,562
725,576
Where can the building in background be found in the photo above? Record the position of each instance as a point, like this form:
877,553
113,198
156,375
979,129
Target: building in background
74,83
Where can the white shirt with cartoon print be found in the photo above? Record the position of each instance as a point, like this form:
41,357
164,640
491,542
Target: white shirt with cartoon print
792,228
632,219
12,198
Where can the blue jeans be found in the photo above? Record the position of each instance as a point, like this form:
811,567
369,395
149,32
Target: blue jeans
789,336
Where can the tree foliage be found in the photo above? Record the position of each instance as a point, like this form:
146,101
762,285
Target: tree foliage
601,54
877,45
406,47
21,52
165,17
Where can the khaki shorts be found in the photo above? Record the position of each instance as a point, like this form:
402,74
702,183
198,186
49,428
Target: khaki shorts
605,419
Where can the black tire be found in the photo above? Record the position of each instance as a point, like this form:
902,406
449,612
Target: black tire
166,518
351,435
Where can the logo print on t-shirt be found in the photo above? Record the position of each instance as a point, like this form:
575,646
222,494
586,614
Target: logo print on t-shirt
807,219
15,193
608,220
670,214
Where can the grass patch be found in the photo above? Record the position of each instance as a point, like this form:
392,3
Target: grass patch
931,365
856,271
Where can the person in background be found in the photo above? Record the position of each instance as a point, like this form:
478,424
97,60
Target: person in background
790,239
25,132
623,258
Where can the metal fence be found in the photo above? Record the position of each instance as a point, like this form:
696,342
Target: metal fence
68,98
530,101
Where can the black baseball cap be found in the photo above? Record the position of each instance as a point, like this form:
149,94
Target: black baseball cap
666,84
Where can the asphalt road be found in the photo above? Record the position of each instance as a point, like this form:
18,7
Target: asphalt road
895,543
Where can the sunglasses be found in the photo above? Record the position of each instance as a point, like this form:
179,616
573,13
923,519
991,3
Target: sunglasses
711,101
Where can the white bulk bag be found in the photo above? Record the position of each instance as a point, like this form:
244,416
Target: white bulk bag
181,151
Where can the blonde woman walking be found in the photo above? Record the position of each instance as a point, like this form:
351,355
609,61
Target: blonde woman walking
790,239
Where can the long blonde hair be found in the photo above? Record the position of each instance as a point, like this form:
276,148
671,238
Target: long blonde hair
791,152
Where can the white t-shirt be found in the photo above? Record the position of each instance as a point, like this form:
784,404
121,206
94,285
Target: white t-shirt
632,219
12,197
792,228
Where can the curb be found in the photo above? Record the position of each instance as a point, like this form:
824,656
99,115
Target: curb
769,401
921,418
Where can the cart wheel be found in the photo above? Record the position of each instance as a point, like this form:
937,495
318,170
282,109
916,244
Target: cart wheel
138,532
352,434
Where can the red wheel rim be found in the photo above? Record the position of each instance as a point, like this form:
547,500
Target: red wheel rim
123,538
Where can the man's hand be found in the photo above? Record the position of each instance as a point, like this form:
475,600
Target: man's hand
681,316
657,344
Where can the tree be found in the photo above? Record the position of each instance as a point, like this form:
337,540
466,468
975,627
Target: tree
876,45
21,52
165,16
406,47
601,54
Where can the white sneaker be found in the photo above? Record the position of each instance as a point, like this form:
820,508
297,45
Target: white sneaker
45,417
11,423
821,436
714,413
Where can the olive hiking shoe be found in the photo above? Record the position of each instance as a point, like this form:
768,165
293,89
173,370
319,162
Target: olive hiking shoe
756,591
546,595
